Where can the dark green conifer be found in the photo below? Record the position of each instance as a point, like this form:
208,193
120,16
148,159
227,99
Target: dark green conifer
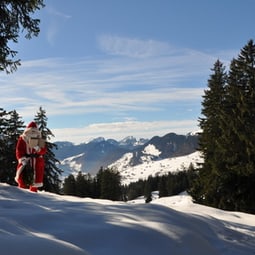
162,186
52,171
13,130
238,142
207,184
110,185
69,185
227,176
11,127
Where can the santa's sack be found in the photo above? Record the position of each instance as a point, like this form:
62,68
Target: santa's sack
28,174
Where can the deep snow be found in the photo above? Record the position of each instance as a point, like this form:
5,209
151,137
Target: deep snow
44,223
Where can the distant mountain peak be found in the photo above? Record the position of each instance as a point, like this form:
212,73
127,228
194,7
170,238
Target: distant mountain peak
197,132
128,140
98,140
131,142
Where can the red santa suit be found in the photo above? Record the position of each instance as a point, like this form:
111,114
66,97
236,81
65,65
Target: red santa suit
30,151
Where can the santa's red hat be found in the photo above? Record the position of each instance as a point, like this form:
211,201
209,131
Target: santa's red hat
32,124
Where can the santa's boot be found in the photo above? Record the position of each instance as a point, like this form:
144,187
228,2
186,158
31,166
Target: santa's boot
22,184
33,189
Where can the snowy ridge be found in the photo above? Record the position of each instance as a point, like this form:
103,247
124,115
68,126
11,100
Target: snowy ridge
71,166
149,167
151,150
50,224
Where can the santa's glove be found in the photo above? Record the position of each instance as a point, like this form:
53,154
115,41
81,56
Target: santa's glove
23,160
37,148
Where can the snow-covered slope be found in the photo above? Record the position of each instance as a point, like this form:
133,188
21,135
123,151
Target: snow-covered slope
151,167
70,165
44,223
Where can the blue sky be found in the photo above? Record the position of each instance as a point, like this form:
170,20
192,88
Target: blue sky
115,68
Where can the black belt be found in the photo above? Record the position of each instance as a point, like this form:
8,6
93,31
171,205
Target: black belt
33,155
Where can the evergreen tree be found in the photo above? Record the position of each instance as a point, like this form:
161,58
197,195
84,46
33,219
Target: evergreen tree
206,186
52,171
135,189
89,189
3,149
94,187
148,189
171,184
84,185
227,177
98,183
69,186
110,185
238,142
13,130
16,17
162,186
241,111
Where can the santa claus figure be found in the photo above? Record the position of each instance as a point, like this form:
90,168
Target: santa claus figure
30,150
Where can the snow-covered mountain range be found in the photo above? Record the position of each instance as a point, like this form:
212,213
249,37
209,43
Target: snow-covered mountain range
134,159
153,167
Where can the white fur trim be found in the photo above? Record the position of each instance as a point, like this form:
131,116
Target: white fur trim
37,184
18,172
32,132
23,160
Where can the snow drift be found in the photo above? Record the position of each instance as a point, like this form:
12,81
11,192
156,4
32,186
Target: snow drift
45,223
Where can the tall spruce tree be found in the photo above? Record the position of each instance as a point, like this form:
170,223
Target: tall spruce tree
13,130
110,184
3,140
148,189
52,171
206,186
227,177
238,142
69,185
162,186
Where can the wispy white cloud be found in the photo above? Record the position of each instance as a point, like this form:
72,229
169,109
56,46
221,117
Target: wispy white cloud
152,53
132,47
57,13
65,94
55,19
118,130
156,79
